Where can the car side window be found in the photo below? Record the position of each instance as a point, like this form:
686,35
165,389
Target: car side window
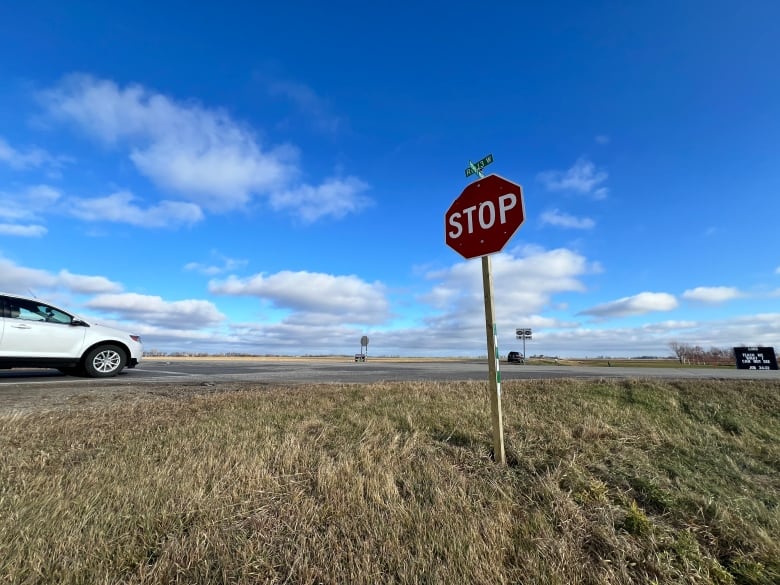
32,311
25,310
12,309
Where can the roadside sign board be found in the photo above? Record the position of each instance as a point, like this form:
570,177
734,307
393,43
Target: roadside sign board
755,358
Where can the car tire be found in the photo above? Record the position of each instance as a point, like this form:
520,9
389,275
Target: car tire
104,361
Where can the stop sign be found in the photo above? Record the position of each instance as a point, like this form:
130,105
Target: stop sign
484,217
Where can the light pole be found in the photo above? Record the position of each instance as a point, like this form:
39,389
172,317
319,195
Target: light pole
523,334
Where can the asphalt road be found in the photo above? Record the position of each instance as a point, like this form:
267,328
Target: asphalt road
343,371
45,390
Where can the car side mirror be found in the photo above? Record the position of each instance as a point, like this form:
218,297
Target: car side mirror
79,323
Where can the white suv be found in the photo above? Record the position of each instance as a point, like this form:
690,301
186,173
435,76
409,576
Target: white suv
37,335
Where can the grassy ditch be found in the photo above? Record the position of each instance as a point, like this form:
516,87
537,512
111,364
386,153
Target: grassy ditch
607,482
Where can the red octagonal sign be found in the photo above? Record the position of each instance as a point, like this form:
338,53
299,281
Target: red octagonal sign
484,217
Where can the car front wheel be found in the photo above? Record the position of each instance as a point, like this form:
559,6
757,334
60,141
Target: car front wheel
104,361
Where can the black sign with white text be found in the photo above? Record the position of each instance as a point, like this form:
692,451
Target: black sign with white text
755,358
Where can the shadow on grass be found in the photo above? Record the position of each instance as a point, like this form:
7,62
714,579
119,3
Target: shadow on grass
455,438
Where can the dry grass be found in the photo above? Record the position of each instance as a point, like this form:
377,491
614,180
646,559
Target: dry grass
633,363
607,482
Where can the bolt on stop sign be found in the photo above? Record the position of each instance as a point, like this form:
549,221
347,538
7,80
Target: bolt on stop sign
484,217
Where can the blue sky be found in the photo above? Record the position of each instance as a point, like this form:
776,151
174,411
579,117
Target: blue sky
272,178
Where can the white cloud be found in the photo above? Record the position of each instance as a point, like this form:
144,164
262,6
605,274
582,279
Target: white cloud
119,208
777,270
42,196
654,338
583,177
523,285
86,284
751,330
20,218
220,265
322,313
201,154
21,280
24,231
711,294
22,160
316,297
323,307
564,220
335,197
464,335
645,302
29,203
154,311
308,102
219,177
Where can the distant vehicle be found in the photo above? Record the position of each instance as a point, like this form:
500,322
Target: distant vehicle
515,357
34,334
360,357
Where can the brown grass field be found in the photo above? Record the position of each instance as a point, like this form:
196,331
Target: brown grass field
607,481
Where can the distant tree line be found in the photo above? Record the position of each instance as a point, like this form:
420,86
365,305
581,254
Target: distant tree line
697,355
157,353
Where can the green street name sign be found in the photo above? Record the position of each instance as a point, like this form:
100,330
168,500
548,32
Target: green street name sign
479,165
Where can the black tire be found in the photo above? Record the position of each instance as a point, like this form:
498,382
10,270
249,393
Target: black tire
104,361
